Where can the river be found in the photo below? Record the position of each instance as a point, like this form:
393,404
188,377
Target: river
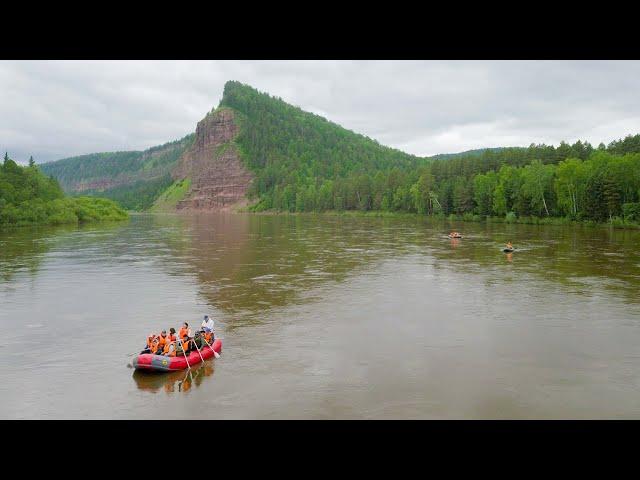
322,317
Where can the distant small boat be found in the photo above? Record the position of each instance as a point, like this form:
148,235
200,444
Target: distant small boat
454,235
507,250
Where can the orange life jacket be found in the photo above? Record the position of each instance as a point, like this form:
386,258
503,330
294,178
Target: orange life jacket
154,346
185,345
208,336
168,350
150,339
183,332
162,341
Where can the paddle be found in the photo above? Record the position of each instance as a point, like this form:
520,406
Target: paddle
185,357
215,354
194,342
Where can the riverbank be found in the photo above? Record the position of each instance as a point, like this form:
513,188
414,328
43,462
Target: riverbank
616,222
61,211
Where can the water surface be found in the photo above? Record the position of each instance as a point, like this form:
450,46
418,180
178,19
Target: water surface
322,317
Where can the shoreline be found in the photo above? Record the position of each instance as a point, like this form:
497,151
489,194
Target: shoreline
617,223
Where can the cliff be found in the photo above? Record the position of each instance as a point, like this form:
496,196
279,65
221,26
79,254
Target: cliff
219,180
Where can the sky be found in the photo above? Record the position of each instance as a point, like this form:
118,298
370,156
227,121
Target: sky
56,109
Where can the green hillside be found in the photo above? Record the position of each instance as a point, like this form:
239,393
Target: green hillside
303,162
170,197
134,179
27,196
299,156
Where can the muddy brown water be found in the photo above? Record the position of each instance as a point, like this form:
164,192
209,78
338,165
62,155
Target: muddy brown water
322,317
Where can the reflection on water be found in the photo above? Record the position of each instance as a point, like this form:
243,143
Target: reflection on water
323,317
179,381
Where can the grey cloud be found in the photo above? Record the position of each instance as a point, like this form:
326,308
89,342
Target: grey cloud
53,109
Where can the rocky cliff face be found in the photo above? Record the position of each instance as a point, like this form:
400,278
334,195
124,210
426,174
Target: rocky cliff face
219,179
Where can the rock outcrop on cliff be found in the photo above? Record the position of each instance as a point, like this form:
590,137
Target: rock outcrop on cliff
219,179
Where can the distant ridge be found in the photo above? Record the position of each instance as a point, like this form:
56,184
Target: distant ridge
469,153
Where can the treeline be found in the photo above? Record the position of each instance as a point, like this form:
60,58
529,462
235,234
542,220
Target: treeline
93,166
27,196
599,188
305,163
139,195
133,166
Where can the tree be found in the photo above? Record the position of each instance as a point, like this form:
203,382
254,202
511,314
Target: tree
507,190
31,161
611,194
421,193
483,190
569,186
537,185
325,196
462,196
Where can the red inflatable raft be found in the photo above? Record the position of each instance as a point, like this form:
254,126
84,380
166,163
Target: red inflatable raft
160,363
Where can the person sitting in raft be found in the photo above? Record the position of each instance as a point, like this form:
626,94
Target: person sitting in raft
151,340
207,328
184,336
509,246
207,324
185,331
162,340
208,337
170,348
185,344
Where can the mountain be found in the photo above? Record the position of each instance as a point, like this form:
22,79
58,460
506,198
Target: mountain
249,145
257,150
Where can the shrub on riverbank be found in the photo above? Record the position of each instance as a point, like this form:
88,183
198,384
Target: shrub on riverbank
28,197
60,211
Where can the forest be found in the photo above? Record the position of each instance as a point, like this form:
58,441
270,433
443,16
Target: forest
305,163
28,196
139,176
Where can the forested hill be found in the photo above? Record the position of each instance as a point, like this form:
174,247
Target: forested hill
133,178
27,196
290,150
303,162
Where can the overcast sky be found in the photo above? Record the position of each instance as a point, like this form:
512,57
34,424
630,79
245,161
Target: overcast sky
56,109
